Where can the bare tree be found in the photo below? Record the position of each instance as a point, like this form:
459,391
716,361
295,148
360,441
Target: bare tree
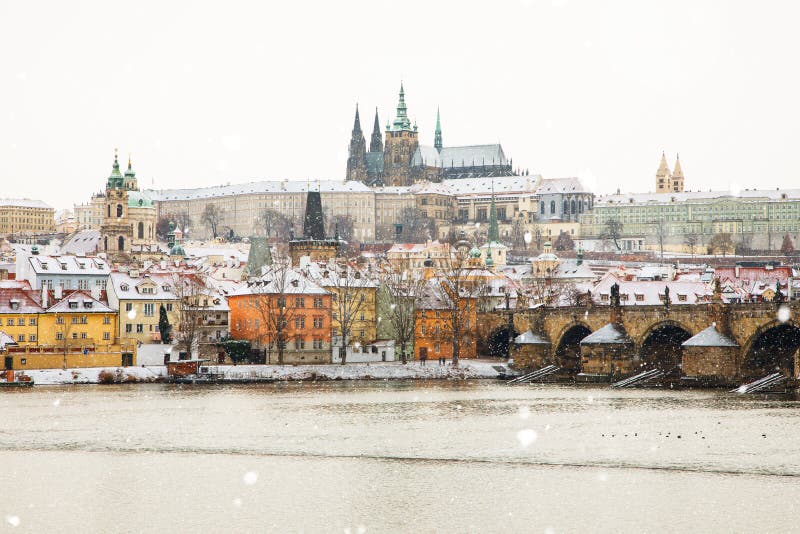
660,233
415,227
787,247
192,295
399,292
458,288
273,293
274,224
63,334
211,218
691,240
348,286
564,242
612,231
720,242
341,225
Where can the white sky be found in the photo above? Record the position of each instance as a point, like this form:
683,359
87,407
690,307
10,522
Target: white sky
204,93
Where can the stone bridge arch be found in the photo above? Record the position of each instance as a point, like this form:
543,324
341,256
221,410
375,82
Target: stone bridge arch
773,347
659,346
567,345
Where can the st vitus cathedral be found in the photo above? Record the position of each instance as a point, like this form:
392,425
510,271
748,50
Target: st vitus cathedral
401,160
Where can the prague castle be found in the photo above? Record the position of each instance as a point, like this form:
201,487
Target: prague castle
401,160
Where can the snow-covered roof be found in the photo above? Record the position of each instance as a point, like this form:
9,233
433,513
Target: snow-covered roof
79,302
16,300
529,338
23,203
279,281
459,156
5,339
145,287
610,334
262,187
550,186
68,264
698,196
82,243
710,337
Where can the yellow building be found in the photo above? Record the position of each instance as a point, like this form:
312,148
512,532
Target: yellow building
139,298
78,330
25,217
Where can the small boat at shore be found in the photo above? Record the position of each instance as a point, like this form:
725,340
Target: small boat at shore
18,381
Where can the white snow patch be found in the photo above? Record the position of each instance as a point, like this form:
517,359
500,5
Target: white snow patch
13,520
250,478
784,313
524,412
526,436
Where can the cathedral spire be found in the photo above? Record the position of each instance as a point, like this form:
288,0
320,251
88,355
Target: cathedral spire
677,172
437,136
494,230
357,154
376,142
402,122
663,177
115,179
357,122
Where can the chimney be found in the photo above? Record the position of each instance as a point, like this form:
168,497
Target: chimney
736,271
133,273
96,292
45,296
59,292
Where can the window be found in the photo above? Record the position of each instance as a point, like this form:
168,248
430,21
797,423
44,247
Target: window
83,335
32,337
149,309
21,337
21,321
361,317
128,328
139,328
32,321
639,297
74,335
299,343
73,305
169,306
84,319
423,330
281,302
318,322
24,361
299,322
74,319
106,336
317,343
552,207
59,335
299,302
106,320
10,322
318,302
128,306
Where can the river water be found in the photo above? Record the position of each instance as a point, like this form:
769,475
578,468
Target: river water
475,456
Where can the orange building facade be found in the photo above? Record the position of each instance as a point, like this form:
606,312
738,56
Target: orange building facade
306,311
433,330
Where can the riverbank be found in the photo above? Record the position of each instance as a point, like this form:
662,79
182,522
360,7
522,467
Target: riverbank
467,369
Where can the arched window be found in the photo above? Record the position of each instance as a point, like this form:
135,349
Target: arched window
119,210
572,206
140,232
105,240
552,206
580,206
109,210
566,208
542,207
121,243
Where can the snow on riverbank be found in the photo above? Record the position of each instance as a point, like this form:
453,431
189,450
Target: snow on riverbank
467,369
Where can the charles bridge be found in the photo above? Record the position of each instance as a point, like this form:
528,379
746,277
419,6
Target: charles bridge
736,341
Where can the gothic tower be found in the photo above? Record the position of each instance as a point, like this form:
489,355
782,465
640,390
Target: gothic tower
663,177
357,155
677,176
401,143
129,181
116,232
437,135
376,142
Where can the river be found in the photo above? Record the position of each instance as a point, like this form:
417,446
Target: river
405,456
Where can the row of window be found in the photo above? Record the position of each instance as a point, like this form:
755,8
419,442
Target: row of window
83,335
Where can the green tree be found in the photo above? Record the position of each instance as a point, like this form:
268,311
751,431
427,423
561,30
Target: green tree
238,350
164,328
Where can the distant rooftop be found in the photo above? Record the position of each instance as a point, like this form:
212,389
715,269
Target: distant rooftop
698,196
23,203
262,187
